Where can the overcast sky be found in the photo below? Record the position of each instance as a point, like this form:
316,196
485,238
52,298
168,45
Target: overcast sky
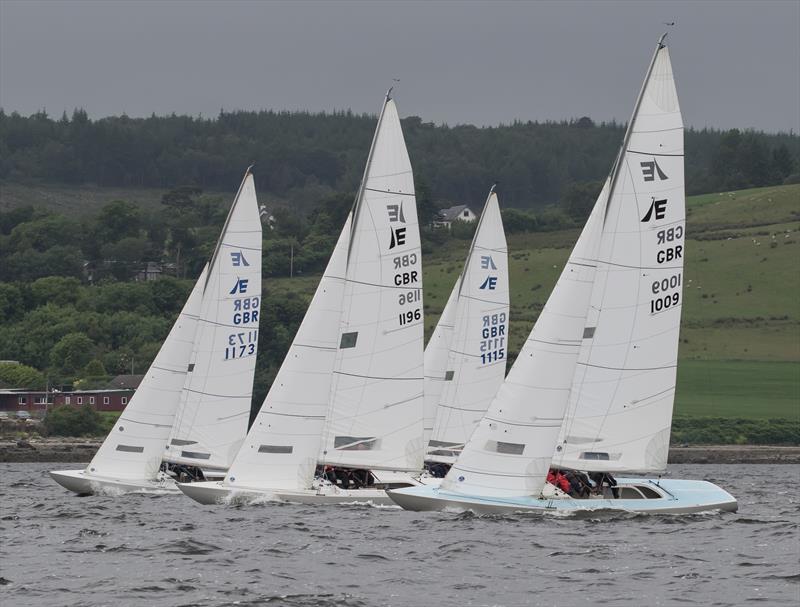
737,64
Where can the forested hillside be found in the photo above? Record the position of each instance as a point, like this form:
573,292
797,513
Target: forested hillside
740,298
302,158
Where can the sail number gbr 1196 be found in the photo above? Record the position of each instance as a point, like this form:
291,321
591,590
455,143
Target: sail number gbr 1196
407,275
665,299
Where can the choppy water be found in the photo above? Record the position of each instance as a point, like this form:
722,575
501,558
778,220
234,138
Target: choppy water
58,549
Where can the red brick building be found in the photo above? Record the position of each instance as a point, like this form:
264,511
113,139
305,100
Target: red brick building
38,401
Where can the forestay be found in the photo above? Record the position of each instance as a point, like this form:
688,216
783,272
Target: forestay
624,387
212,417
134,447
281,449
510,451
375,417
476,364
435,361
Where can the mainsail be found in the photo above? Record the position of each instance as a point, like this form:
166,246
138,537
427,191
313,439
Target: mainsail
510,451
212,417
621,404
281,449
134,447
476,363
437,353
376,408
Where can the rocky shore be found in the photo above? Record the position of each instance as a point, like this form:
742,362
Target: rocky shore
77,450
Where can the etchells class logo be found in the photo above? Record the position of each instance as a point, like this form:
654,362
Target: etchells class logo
398,235
650,169
238,259
487,263
658,209
240,286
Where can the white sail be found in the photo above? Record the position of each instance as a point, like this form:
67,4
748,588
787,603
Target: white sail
134,447
281,449
375,416
510,451
621,405
435,361
476,364
212,417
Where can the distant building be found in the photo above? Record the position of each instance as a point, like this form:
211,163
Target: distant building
458,213
151,271
38,401
267,218
125,382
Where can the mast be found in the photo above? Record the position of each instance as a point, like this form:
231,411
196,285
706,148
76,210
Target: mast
247,173
474,239
363,184
629,129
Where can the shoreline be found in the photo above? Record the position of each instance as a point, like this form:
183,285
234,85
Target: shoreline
78,450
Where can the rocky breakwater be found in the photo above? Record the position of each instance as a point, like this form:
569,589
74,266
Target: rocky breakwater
81,450
735,454
13,450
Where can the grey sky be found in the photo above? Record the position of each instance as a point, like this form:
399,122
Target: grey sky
737,64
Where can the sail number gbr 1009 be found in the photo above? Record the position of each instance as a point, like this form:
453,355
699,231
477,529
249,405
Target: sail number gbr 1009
664,299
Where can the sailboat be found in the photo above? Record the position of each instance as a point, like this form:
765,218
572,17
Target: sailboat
197,355
349,395
279,455
466,357
594,385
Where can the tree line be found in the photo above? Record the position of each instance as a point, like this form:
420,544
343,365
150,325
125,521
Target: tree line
303,157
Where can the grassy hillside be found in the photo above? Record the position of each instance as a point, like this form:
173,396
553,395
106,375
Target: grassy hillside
740,341
741,300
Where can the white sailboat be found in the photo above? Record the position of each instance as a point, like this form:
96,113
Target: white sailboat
130,458
475,322
596,379
211,420
280,452
371,417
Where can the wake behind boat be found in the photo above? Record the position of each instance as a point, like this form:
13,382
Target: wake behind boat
130,459
593,387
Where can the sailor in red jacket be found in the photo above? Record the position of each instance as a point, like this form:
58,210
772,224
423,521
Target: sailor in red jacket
554,477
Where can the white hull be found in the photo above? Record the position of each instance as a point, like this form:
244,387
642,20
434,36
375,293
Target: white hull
670,497
85,484
215,492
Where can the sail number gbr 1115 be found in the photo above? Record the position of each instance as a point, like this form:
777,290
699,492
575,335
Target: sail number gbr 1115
665,300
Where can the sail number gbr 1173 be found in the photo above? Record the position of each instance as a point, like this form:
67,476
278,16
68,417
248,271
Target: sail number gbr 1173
664,299
241,344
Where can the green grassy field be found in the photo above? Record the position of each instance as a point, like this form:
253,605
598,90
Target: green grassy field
742,389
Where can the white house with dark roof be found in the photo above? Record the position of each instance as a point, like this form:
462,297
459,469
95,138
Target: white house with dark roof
457,213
